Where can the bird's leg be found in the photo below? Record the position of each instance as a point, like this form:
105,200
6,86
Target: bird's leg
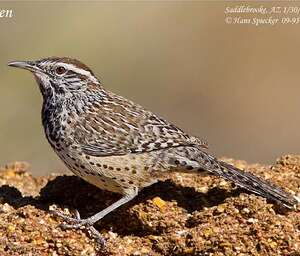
77,222
93,232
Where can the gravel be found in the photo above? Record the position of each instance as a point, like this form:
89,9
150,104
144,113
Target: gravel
186,214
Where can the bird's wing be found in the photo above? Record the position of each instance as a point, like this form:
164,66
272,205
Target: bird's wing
116,126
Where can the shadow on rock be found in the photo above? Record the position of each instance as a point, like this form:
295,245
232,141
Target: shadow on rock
187,197
74,193
14,197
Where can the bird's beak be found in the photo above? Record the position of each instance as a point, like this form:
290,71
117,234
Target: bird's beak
29,65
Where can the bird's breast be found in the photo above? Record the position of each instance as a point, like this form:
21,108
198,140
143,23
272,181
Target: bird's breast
56,127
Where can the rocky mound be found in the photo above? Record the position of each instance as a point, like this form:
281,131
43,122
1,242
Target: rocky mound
185,215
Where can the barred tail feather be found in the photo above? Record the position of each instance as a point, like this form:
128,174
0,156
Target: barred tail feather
248,181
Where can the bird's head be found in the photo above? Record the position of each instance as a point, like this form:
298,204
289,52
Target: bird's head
60,76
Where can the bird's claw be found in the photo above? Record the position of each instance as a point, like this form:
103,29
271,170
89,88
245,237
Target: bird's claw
77,222
65,217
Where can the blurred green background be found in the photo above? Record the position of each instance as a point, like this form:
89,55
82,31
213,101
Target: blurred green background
235,85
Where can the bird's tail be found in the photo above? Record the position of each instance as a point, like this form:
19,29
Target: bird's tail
247,181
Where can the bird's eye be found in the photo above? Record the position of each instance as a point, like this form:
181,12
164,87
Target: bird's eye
60,70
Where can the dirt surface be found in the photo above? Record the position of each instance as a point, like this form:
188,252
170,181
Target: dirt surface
185,215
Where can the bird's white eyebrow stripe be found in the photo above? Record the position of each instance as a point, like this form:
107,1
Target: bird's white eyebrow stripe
78,70
75,69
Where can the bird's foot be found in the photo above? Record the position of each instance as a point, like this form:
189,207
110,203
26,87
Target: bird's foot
77,222
73,223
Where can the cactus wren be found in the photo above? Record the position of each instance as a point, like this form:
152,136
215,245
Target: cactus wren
117,145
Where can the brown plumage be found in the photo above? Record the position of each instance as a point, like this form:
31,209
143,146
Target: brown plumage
116,144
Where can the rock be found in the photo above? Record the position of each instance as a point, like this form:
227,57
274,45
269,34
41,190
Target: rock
173,217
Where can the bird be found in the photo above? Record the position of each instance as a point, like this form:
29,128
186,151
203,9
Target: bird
118,145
